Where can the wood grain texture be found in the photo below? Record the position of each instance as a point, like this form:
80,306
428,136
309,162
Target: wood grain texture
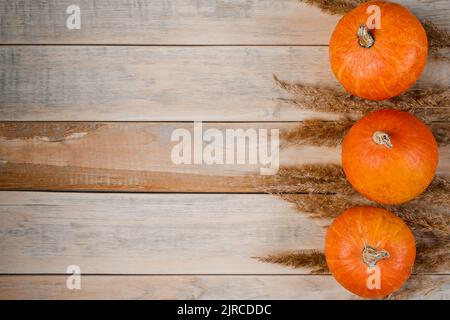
79,83
166,22
153,233
150,233
205,287
136,157
187,22
162,246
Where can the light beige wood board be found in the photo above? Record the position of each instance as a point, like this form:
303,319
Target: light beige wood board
132,233
166,22
150,233
138,157
182,21
83,83
205,287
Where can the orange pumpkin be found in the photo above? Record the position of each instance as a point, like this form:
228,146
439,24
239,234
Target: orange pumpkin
370,251
389,156
378,64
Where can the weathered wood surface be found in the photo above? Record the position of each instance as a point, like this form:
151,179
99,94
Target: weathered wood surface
49,83
150,233
205,287
157,246
137,157
186,22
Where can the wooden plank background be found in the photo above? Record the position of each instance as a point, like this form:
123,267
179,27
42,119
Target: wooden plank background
183,22
93,110
205,287
54,83
150,233
90,155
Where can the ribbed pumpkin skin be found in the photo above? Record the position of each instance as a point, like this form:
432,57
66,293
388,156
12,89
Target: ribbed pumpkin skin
395,175
360,226
391,65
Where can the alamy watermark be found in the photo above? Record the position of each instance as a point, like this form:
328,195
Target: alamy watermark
374,20
73,281
374,278
230,146
73,22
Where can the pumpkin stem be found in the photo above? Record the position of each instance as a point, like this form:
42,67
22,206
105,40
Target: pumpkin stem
371,256
382,138
366,39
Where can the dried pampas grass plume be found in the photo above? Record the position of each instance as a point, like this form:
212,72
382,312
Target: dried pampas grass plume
437,38
437,193
318,133
323,206
326,178
334,6
428,216
332,133
431,104
329,179
432,257
441,133
426,222
417,287
316,98
310,259
431,231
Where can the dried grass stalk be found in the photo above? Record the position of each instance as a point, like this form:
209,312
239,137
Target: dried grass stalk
430,104
426,222
416,287
436,195
318,133
310,259
431,230
430,226
330,179
325,99
332,133
441,132
326,178
430,259
437,39
433,256
323,206
428,216
334,6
